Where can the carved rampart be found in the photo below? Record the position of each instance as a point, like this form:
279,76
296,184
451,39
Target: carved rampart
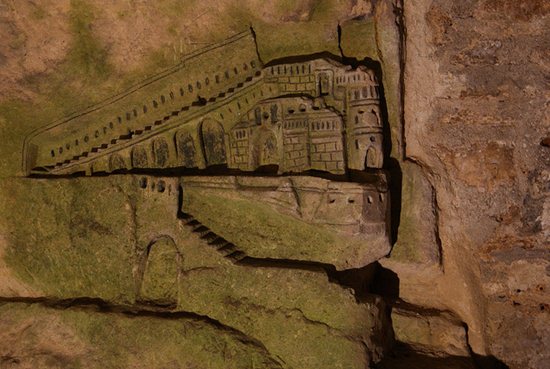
220,106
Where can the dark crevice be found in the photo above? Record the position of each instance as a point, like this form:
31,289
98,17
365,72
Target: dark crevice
253,32
404,356
436,228
372,176
339,33
402,31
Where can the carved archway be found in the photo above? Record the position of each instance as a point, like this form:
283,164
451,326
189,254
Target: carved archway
161,152
213,142
185,146
116,162
160,268
139,157
268,151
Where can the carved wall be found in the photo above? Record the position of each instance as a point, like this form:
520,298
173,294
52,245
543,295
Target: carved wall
262,184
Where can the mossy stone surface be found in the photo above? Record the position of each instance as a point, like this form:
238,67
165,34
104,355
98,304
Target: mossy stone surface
69,238
290,311
123,340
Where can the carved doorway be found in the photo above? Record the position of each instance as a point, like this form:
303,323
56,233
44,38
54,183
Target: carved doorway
160,268
186,149
268,150
371,159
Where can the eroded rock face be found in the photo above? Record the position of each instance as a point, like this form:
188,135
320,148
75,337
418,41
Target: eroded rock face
263,271
169,265
486,163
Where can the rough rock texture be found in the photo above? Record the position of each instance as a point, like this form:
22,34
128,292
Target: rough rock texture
466,91
162,267
476,88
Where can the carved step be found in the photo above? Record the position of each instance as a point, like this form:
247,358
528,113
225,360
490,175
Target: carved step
236,256
187,217
227,249
218,242
224,247
202,230
193,222
209,236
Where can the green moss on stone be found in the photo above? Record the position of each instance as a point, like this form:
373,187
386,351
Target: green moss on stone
87,55
69,238
114,340
358,39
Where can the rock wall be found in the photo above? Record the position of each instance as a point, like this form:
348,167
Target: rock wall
465,86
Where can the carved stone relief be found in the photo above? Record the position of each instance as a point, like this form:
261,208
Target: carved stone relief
313,115
312,128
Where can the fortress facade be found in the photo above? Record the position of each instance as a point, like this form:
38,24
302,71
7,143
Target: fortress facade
221,106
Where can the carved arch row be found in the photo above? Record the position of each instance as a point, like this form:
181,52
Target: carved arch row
182,151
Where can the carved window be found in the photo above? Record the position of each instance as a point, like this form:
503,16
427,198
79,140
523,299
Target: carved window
258,116
274,109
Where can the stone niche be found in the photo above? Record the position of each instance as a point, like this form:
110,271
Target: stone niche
223,194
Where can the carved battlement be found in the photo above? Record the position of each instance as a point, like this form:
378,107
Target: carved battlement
221,106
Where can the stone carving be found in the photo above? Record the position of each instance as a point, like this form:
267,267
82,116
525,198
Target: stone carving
161,264
313,115
212,245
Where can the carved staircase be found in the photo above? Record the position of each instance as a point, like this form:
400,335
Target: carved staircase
249,83
224,247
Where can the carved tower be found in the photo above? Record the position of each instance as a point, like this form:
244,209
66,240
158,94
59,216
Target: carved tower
363,121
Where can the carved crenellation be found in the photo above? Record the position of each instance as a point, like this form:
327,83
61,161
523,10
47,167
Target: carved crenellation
313,115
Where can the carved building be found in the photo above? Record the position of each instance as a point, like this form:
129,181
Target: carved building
219,106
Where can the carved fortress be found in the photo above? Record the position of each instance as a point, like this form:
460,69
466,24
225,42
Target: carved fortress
221,106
